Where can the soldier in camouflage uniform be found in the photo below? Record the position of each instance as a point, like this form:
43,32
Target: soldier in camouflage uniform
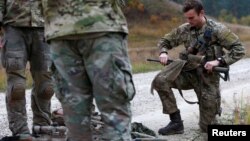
89,49
23,27
201,79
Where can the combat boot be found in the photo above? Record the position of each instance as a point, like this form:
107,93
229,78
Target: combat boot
175,126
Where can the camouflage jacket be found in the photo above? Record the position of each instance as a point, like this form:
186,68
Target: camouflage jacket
22,13
221,37
77,17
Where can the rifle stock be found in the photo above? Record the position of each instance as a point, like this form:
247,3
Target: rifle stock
221,69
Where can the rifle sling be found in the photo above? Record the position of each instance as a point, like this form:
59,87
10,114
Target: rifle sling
189,102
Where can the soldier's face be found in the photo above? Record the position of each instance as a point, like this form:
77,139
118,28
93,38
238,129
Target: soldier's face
193,18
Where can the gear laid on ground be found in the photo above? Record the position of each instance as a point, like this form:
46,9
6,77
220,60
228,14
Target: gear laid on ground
57,131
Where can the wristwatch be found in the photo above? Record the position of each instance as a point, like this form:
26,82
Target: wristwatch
221,60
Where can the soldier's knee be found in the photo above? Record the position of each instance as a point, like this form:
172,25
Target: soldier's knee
17,92
47,92
159,83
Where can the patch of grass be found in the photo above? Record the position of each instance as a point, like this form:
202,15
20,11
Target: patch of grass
146,67
149,34
239,113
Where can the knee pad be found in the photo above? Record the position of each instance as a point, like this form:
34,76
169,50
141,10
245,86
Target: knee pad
46,92
17,92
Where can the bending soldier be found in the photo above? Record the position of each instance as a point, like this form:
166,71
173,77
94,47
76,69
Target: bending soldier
23,27
203,40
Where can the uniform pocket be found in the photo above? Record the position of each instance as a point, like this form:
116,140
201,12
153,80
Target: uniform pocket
14,60
123,78
129,84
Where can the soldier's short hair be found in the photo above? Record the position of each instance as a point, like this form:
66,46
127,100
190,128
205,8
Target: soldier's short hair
192,4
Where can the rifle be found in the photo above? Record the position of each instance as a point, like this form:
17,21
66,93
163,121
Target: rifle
199,48
224,70
216,69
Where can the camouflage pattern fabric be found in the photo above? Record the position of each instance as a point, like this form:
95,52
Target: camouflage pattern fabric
89,50
171,71
208,94
57,116
99,68
221,37
23,45
138,130
205,85
25,13
75,17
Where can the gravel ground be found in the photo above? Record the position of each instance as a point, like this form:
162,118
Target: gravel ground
147,109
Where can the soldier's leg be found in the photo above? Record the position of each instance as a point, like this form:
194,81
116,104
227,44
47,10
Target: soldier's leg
164,89
73,89
14,59
210,101
109,69
42,90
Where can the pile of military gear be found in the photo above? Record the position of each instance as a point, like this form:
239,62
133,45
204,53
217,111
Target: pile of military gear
57,131
139,131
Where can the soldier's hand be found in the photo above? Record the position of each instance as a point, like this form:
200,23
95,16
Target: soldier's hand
210,64
163,58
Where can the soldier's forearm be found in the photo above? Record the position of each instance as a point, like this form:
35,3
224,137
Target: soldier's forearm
234,55
163,45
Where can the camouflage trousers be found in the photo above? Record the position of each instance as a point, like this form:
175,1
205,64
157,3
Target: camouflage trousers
206,87
23,45
99,68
